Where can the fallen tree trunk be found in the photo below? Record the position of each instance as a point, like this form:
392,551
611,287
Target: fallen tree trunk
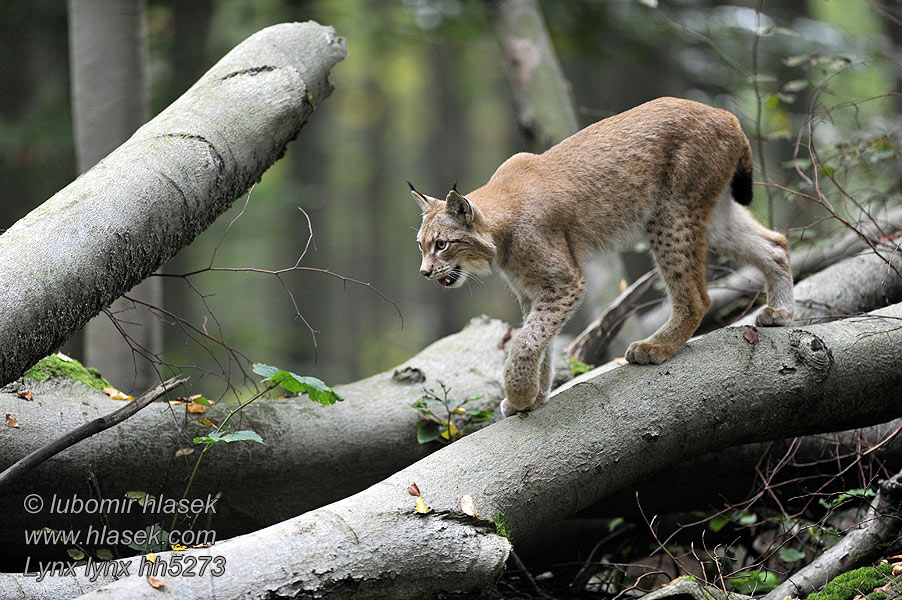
113,226
313,454
587,443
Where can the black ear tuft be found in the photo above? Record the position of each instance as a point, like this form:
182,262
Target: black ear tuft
410,185
454,187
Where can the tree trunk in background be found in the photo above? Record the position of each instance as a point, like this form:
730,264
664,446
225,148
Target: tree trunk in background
110,101
542,95
119,222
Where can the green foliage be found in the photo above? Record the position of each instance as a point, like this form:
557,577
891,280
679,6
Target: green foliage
59,365
502,525
230,436
755,582
852,583
577,367
842,498
455,420
315,389
790,555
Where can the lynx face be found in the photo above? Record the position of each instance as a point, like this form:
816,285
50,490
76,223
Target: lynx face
452,240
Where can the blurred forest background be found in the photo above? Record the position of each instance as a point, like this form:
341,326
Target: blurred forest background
422,96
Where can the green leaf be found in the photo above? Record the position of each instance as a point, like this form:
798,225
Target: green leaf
141,497
105,554
202,400
748,519
577,367
718,523
795,61
796,85
155,541
615,523
790,555
265,371
296,384
757,582
238,436
427,431
75,553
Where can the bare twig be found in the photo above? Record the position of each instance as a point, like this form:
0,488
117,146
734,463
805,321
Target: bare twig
85,431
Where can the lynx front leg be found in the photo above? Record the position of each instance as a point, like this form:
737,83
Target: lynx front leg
679,250
528,371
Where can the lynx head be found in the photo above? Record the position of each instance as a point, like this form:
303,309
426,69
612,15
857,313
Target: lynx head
453,239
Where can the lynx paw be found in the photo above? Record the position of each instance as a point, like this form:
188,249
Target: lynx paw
773,317
508,409
643,353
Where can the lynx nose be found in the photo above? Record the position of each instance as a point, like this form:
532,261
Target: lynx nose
426,272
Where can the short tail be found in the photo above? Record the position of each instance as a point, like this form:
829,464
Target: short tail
741,186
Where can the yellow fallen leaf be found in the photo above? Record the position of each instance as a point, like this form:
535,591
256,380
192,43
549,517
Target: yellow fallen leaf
195,408
468,506
184,451
208,421
448,430
623,285
150,557
116,394
897,570
421,506
154,582
178,547
11,421
176,402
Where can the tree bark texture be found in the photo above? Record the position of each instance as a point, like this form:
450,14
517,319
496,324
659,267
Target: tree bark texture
113,226
585,444
110,101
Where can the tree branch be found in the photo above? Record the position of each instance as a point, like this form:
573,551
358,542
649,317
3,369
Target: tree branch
90,428
116,224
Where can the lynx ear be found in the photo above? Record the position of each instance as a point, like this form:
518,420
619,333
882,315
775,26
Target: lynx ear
426,202
460,208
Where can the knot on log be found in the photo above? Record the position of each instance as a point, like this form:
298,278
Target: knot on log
811,351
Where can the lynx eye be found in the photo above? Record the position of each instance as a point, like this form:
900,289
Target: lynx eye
440,244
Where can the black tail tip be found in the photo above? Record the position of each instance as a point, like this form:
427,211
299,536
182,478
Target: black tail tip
741,187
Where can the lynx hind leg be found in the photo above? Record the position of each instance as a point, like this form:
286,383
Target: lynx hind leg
678,246
737,235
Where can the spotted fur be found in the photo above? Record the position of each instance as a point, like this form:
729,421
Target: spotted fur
661,172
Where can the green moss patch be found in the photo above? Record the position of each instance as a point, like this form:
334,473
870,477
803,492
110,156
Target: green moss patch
54,366
852,583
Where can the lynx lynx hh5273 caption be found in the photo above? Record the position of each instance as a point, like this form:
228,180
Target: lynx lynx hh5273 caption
663,171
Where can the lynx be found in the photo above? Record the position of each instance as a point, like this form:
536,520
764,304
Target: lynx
660,171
